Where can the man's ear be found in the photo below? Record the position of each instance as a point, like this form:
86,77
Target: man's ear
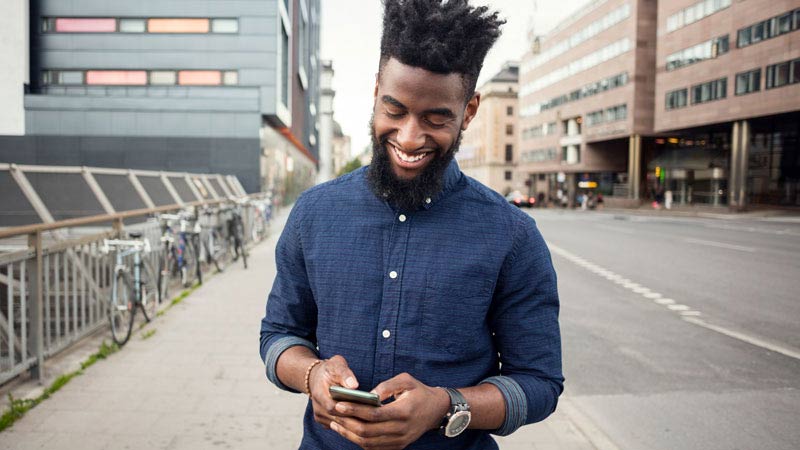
377,81
471,110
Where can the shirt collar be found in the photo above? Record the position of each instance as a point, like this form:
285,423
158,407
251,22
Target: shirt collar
452,175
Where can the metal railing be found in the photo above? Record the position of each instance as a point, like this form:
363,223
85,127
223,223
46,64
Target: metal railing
54,285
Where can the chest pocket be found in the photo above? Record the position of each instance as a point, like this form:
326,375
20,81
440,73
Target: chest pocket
454,317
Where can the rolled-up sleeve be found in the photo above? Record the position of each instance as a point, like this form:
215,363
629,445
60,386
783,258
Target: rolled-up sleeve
291,312
524,320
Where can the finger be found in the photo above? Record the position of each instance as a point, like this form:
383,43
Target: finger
395,386
371,413
364,434
339,372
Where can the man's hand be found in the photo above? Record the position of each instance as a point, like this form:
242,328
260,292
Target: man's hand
330,372
417,408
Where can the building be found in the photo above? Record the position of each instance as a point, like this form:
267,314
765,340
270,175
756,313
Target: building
199,86
488,151
728,103
340,153
586,102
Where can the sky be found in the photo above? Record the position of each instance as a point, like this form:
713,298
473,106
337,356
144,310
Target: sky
351,33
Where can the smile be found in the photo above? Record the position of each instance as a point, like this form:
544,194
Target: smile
405,157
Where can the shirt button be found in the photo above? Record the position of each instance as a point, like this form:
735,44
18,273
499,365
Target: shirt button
393,274
402,218
428,200
386,334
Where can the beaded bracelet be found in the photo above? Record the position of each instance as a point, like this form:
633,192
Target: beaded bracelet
308,376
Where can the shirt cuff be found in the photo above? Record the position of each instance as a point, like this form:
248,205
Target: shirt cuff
516,404
275,351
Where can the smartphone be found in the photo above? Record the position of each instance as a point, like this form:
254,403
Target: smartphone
351,395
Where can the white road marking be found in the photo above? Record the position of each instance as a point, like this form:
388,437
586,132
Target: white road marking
743,337
686,313
740,248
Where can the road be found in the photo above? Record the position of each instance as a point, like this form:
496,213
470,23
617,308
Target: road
680,333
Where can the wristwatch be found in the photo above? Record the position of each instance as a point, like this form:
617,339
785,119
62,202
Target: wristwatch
457,418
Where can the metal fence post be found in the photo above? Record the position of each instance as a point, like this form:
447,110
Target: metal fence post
36,328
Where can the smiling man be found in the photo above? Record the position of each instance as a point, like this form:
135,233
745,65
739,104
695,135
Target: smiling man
409,279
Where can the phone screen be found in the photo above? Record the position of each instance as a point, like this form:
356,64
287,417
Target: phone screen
351,395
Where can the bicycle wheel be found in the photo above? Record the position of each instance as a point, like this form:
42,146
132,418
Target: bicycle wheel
190,267
165,269
121,310
149,300
196,246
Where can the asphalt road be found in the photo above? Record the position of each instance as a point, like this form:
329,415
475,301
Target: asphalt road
680,333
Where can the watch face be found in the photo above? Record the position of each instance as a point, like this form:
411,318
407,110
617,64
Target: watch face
458,423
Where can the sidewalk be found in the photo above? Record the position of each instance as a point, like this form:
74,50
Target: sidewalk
198,383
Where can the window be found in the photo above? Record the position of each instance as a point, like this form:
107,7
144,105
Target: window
551,128
117,77
230,77
132,26
509,110
767,29
747,82
62,77
508,175
694,13
570,154
617,113
509,129
712,90
697,53
783,74
509,153
177,25
284,67
677,99
75,25
594,118
199,77
160,77
224,26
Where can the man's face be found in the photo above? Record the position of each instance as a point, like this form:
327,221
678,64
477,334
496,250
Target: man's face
418,116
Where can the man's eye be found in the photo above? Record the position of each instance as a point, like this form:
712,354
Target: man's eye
436,122
394,115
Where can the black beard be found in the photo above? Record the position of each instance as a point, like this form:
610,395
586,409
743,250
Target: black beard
406,195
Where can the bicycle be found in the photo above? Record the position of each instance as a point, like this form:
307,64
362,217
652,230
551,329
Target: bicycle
129,290
213,243
179,254
235,228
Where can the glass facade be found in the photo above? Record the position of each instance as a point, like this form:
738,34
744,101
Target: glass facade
139,25
706,50
692,14
593,59
588,90
782,74
768,29
710,91
593,29
140,77
773,176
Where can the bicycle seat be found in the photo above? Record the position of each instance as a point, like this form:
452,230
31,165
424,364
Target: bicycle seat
135,234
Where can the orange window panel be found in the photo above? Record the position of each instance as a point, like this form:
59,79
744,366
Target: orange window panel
74,25
200,77
177,25
117,77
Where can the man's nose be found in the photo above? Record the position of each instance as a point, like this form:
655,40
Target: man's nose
410,136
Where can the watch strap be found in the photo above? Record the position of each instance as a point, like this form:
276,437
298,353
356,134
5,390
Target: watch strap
457,401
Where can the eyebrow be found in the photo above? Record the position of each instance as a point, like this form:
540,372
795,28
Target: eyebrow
436,111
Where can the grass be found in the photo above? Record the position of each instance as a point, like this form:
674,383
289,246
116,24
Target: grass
148,334
19,406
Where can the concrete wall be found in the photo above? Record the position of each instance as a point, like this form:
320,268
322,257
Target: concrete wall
14,54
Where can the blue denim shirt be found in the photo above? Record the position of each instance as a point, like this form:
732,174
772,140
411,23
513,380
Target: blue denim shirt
457,293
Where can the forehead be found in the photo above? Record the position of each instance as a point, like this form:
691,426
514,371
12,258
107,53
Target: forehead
417,87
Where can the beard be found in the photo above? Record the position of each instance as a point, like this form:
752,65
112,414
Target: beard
406,194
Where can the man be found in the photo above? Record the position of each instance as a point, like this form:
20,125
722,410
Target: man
409,279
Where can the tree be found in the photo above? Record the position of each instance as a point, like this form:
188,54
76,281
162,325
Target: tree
352,165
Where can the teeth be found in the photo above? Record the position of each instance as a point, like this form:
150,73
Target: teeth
404,157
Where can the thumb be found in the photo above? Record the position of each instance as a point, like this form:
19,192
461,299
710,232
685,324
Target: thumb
340,372
395,386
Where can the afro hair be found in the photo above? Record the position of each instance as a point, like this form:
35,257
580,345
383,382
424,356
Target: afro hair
441,36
